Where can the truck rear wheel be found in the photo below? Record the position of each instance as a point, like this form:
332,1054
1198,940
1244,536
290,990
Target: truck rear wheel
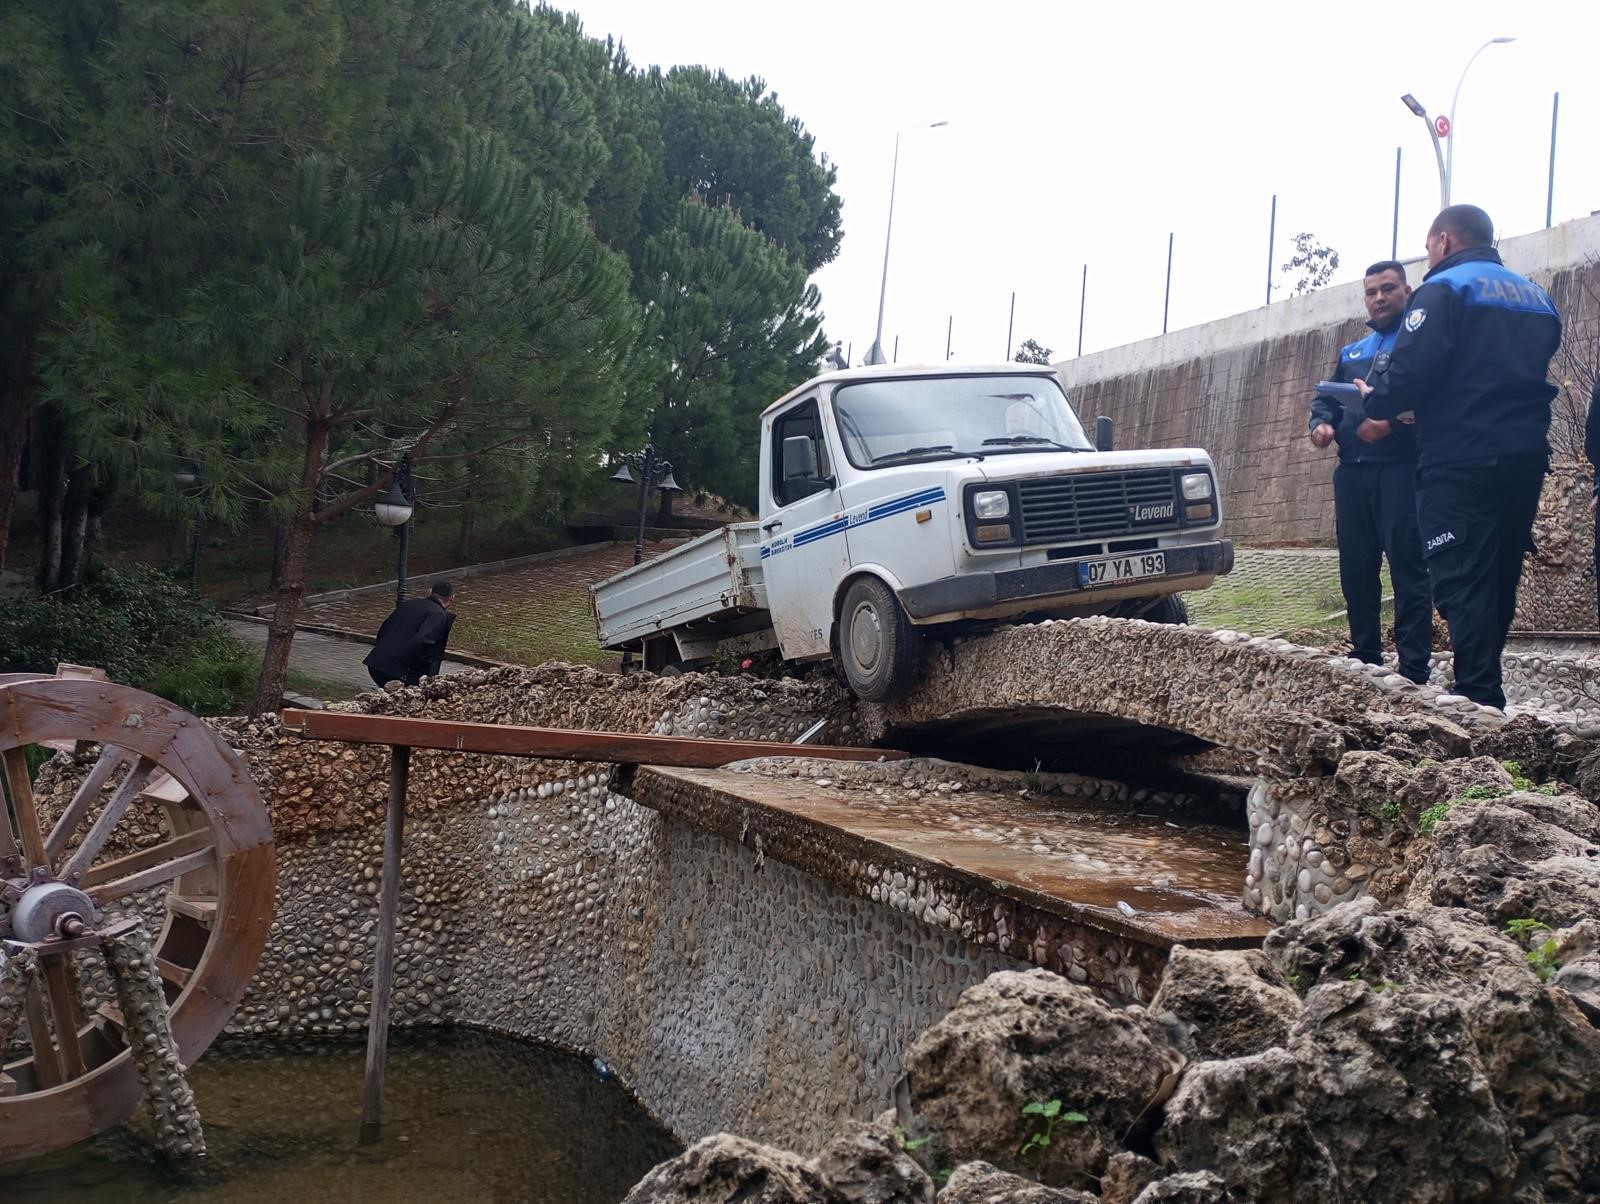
877,644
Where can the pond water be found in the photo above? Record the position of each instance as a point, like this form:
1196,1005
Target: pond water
468,1116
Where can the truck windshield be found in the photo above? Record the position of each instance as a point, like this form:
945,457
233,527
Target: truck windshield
885,421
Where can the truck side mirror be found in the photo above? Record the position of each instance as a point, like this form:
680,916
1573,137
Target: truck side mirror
799,459
1104,434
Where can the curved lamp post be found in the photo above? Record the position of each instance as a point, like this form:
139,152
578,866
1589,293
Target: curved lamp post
1450,148
394,509
875,352
1446,156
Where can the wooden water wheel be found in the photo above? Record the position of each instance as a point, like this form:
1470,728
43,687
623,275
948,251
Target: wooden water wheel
166,825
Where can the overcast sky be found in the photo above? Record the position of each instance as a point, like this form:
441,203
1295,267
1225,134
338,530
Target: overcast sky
1085,133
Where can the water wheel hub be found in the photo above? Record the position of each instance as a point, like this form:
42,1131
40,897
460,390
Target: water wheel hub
47,909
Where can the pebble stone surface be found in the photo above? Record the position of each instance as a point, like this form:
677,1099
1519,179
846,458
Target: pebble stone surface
728,989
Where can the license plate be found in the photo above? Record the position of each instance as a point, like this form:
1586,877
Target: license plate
1114,570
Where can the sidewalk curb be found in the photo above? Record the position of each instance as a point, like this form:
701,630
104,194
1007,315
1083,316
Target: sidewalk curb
357,637
471,570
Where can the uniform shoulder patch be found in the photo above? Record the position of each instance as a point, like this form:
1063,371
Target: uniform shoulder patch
1415,318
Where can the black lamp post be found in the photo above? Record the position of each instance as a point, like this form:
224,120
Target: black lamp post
187,475
394,509
652,470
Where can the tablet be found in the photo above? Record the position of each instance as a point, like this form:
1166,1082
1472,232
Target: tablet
1342,391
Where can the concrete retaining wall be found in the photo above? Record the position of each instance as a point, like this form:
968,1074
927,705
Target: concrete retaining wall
1241,387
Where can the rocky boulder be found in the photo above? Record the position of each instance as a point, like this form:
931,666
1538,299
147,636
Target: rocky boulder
869,1164
1017,1039
982,1183
723,1168
1232,1003
1379,1096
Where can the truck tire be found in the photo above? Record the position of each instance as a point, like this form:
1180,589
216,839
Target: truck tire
877,644
1170,609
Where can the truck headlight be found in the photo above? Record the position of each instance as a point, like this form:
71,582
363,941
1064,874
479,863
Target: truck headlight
994,503
1196,486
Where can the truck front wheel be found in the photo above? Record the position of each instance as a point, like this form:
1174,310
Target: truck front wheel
877,644
1171,609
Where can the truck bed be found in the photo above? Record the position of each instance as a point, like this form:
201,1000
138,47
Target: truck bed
716,576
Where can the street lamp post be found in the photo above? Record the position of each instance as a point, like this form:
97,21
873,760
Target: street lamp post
394,509
187,476
1446,155
875,352
653,471
1450,148
1412,103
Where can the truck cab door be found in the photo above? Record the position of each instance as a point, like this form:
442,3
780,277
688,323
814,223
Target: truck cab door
803,551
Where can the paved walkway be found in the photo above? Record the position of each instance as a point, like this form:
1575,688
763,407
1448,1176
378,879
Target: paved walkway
324,658
526,615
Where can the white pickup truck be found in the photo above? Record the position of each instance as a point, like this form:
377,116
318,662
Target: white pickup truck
897,501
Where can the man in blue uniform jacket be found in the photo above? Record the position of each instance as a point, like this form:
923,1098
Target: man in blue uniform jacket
1472,362
1374,491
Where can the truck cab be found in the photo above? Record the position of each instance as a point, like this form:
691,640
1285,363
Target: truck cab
894,500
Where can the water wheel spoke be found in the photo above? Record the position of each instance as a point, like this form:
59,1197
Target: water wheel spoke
111,757
20,787
108,819
66,1014
46,1067
112,880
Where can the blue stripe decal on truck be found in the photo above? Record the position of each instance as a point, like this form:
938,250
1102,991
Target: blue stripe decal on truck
857,518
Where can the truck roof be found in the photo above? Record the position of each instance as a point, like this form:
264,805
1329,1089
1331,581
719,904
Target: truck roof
904,371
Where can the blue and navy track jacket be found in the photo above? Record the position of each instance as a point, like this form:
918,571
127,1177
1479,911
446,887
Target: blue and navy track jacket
1356,363
1471,360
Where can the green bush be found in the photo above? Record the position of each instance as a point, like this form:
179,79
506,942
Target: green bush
139,627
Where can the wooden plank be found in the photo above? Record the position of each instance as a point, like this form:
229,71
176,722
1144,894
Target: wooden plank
20,787
45,1066
87,794
383,968
559,744
144,859
173,973
65,1012
203,910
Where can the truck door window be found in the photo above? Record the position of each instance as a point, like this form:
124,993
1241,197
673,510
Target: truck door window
804,420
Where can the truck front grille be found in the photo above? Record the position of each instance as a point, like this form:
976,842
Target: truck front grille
1098,504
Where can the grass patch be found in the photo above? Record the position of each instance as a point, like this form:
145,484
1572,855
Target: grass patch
322,688
555,627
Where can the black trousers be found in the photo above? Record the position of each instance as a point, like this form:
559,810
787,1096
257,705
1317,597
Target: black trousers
1477,524
1375,506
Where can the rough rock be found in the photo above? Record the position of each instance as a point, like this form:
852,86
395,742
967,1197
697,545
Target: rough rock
1019,1038
1501,823
867,1165
1190,1187
1126,1175
723,1168
1446,780
1425,947
1578,952
1232,1002
1379,1096
982,1183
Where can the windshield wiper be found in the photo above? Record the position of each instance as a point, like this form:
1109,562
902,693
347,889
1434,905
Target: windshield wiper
1020,440
947,449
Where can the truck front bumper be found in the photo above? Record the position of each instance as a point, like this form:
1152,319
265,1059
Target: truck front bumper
967,593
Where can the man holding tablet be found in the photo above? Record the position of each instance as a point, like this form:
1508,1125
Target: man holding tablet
1374,491
1473,361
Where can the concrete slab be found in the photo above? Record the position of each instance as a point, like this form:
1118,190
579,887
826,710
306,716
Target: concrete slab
1068,873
